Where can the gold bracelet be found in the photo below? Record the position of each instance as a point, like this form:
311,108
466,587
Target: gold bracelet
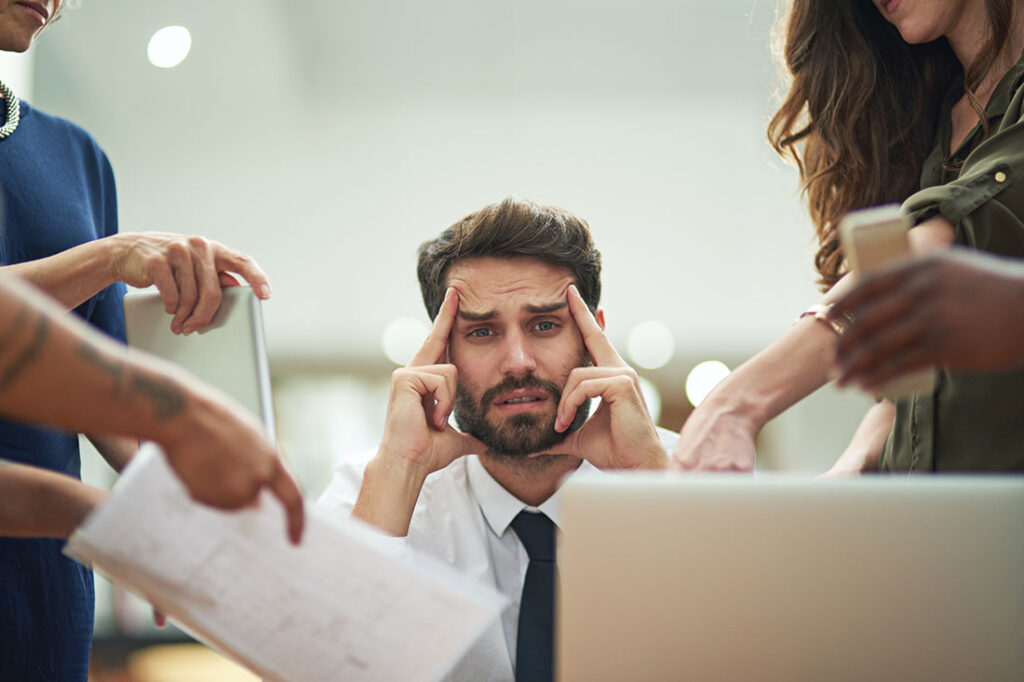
820,312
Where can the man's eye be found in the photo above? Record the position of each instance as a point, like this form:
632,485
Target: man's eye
546,326
480,333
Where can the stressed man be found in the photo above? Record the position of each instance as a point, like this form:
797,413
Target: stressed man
517,353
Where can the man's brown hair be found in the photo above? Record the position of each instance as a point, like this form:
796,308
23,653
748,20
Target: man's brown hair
512,228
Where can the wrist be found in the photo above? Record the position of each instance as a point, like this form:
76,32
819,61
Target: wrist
655,458
388,494
745,412
399,471
116,248
856,461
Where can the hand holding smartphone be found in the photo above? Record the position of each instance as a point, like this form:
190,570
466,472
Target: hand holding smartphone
875,239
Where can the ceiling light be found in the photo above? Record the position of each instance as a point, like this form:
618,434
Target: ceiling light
169,46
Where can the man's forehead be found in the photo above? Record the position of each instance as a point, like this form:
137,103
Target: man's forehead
487,285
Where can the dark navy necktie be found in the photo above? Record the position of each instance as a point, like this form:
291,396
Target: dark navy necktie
536,639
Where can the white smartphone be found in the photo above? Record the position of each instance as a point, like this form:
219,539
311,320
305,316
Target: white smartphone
874,239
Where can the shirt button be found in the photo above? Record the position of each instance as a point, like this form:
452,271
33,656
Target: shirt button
999,177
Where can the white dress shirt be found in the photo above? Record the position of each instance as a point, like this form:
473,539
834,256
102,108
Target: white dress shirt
463,517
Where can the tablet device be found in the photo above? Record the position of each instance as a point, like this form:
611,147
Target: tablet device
229,354
781,578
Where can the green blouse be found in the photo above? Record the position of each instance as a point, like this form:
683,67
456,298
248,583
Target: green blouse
971,421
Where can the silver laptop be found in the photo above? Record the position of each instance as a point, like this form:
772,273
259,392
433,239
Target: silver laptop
230,353
781,578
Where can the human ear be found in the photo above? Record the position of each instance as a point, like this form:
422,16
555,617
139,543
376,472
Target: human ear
599,316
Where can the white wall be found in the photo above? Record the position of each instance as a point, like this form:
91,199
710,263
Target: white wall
329,139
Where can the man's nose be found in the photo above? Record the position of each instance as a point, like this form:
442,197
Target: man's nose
518,357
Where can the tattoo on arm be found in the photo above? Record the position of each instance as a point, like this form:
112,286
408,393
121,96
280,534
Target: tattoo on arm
10,371
112,366
166,398
12,334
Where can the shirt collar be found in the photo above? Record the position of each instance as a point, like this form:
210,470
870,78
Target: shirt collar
499,506
999,102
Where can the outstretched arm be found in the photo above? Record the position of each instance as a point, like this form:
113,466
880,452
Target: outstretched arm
958,309
720,433
188,271
55,369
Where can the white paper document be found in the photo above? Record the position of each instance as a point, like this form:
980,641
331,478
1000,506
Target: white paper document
343,605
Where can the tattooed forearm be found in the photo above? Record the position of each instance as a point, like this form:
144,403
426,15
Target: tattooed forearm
112,366
166,398
10,371
11,334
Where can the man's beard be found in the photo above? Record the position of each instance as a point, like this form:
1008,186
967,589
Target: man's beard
519,434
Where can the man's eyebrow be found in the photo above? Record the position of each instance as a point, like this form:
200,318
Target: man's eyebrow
477,317
547,308
470,316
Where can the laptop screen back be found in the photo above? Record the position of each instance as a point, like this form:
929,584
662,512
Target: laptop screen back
229,354
765,578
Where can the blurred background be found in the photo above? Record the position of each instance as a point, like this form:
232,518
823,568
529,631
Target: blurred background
329,138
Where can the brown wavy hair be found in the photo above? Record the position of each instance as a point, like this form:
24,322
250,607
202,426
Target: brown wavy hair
512,228
862,108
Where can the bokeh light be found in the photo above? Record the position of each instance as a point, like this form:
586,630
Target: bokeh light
169,46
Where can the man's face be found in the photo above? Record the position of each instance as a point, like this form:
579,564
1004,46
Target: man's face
514,344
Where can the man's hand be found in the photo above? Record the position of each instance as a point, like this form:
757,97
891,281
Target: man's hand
620,434
955,309
187,271
418,440
417,433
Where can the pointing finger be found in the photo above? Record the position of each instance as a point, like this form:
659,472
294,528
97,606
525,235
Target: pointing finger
284,488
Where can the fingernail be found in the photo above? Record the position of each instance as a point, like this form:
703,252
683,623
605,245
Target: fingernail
264,291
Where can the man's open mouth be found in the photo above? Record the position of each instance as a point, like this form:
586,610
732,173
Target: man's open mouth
522,399
525,399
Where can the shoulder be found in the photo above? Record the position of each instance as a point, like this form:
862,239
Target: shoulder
340,495
37,118
43,130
